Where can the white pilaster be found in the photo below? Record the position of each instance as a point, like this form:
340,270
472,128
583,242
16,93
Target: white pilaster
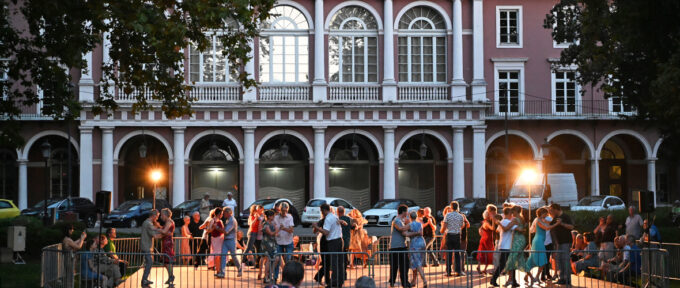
389,84
107,158
389,168
319,162
23,184
457,84
478,82
651,177
178,195
250,94
319,84
86,163
86,84
595,177
458,163
479,161
248,166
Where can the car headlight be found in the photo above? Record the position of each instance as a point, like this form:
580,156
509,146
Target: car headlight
385,216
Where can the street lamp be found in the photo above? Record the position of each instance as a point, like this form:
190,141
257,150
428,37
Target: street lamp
46,149
546,152
156,176
528,177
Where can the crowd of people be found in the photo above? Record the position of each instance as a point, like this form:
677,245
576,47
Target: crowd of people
510,241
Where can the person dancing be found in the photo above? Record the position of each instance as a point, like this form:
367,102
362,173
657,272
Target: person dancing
485,243
168,244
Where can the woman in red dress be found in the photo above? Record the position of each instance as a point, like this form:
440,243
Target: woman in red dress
485,243
168,244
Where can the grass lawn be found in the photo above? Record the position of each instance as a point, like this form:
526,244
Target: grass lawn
27,275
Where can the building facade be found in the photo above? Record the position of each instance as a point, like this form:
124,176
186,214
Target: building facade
364,100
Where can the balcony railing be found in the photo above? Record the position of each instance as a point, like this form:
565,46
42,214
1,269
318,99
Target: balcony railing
419,92
531,109
354,92
216,93
296,92
121,96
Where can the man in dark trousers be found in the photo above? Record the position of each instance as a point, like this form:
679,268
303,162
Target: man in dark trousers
562,233
335,262
504,245
399,260
322,248
196,244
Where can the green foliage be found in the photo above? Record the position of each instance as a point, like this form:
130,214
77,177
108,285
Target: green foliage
627,49
37,235
43,39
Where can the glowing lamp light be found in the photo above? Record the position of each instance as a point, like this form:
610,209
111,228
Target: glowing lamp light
156,175
528,176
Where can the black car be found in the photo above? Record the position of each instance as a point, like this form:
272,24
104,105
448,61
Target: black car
269,204
83,207
471,208
188,207
132,213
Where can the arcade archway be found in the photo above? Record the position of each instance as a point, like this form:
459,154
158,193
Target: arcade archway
284,170
139,156
423,171
353,171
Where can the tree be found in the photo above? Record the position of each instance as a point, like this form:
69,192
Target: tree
628,49
44,41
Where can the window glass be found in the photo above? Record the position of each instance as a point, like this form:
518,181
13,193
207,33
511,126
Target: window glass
509,26
284,47
565,92
422,48
353,41
508,91
5,205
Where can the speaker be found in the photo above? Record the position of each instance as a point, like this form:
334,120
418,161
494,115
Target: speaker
646,199
103,201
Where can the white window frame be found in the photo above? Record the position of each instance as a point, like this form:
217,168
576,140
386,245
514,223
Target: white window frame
611,107
503,67
365,34
520,30
553,90
227,65
296,34
434,34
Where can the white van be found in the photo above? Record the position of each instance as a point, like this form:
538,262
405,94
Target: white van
561,190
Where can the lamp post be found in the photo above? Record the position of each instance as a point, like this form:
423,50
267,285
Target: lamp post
46,149
155,177
528,177
546,152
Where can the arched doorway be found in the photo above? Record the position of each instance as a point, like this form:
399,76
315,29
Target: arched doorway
284,170
353,171
139,156
622,167
667,172
9,175
53,183
502,168
214,168
569,154
423,175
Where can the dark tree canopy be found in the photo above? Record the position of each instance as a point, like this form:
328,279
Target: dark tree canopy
43,39
629,49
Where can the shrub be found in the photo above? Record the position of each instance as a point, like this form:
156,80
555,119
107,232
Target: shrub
37,235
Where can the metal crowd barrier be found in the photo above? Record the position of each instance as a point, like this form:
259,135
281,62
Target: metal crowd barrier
672,264
68,270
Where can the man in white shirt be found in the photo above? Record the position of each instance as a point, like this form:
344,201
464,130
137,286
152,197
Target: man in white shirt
505,244
284,239
333,232
634,223
230,202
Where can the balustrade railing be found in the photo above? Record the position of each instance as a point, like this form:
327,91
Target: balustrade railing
216,93
354,92
530,109
418,92
297,92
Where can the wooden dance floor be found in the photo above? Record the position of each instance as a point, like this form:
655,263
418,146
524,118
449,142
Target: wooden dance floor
187,276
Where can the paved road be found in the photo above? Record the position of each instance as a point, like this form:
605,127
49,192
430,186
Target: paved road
372,231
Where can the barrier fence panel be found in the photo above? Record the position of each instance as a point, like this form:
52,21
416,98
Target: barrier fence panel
388,267
672,264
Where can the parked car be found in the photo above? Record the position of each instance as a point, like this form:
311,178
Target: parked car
312,212
384,211
472,208
132,213
599,203
269,204
86,210
188,207
561,189
8,209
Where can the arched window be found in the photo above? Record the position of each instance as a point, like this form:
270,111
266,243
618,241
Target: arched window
211,65
284,46
353,46
422,46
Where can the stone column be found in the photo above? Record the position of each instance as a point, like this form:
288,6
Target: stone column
86,163
319,84
457,84
248,166
107,159
479,161
23,184
319,162
594,177
250,94
178,194
389,168
478,82
389,84
458,163
651,177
